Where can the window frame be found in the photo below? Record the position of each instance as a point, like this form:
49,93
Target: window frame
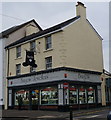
73,90
48,42
53,100
33,46
18,51
18,73
24,93
48,65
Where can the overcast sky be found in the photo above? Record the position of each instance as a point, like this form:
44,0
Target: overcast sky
48,14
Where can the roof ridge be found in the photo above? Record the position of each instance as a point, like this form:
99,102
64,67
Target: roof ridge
45,31
15,28
63,22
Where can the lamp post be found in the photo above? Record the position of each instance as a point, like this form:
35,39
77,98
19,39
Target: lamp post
71,113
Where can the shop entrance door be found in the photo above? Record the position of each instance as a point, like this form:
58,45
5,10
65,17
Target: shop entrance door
35,99
66,93
66,97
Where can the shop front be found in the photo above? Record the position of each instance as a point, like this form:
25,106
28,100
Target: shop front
55,90
108,91
33,98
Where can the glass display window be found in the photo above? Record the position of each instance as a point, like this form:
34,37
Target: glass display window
73,95
35,97
24,94
49,96
82,96
91,95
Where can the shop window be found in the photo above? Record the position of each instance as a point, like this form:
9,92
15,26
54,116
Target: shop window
82,96
90,95
18,51
48,62
24,95
73,95
35,97
48,42
49,96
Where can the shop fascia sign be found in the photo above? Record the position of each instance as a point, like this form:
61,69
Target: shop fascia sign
83,76
34,78
28,80
58,75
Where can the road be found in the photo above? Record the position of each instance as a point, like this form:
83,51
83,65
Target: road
87,115
93,115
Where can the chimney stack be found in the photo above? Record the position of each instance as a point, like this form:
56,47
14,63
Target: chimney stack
81,10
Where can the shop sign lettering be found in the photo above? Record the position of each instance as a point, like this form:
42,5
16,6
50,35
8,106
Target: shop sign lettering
33,79
83,76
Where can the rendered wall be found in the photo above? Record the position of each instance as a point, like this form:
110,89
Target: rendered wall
83,47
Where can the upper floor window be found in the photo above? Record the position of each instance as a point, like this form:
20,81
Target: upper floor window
32,69
18,51
48,62
18,69
48,42
33,46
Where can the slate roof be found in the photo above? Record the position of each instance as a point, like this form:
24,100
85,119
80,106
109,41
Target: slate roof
13,29
40,33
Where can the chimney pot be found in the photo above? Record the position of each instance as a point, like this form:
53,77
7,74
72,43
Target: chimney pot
80,3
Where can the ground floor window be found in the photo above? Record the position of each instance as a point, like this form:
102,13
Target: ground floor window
73,95
82,95
49,96
24,95
91,95
76,94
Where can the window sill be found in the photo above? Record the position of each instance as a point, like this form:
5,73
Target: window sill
48,50
18,58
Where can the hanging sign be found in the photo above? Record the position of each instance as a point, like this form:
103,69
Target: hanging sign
29,59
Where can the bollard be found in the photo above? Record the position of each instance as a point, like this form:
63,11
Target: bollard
71,113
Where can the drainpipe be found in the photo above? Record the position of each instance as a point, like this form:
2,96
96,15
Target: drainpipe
8,63
7,70
103,90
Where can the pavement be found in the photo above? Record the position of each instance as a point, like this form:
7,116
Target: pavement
48,115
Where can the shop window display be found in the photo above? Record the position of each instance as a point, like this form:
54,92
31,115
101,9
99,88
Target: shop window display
35,97
73,93
24,95
82,96
90,95
49,96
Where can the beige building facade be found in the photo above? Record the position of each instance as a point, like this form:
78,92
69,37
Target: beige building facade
69,62
7,37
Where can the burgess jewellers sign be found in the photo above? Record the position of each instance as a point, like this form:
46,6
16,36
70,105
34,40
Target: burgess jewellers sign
34,79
